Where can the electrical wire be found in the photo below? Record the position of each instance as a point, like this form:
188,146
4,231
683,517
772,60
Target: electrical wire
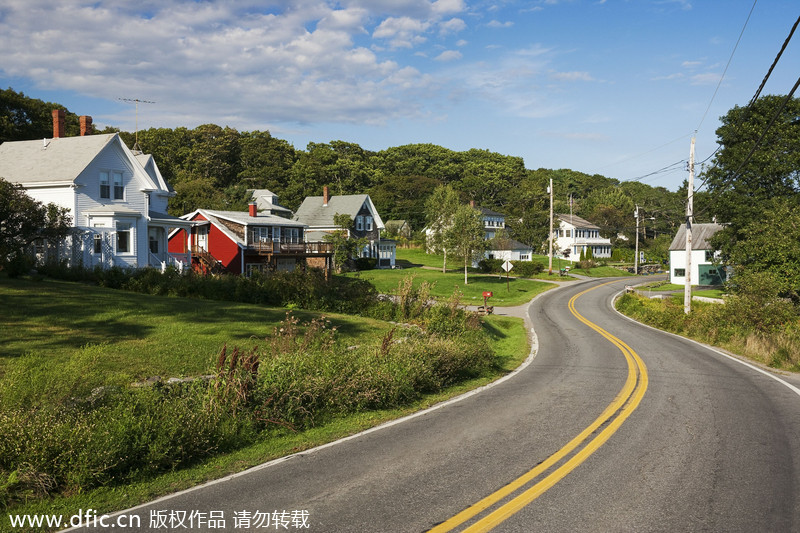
727,65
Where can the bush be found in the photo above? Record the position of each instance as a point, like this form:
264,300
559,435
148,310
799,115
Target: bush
366,263
300,377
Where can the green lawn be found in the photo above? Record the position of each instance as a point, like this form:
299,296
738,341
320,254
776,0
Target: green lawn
515,292
73,335
103,336
417,257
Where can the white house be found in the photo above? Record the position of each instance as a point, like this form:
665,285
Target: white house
509,250
493,222
577,235
317,213
117,198
704,271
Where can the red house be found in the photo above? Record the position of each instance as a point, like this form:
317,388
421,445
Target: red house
242,242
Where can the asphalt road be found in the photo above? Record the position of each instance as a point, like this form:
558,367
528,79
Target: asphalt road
713,445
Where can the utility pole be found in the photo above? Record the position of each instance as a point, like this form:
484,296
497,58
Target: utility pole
636,259
550,254
687,290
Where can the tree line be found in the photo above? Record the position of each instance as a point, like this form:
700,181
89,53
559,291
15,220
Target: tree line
213,167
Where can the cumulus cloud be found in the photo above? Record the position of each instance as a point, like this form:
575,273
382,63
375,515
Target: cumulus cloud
257,61
449,55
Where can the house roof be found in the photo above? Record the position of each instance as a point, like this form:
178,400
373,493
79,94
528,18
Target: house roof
59,160
267,200
576,221
701,235
489,213
510,244
313,213
240,217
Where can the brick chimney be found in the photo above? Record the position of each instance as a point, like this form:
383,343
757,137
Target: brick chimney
253,209
59,119
325,195
86,125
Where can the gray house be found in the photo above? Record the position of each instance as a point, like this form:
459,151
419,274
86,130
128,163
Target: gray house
317,213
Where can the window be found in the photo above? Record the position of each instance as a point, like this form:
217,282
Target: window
359,223
709,256
98,243
524,257
680,272
153,244
119,190
568,232
369,223
105,189
124,238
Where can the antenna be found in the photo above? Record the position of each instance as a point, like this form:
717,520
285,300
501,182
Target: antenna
137,102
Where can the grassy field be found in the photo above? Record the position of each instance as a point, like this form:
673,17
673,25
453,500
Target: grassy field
417,257
664,286
110,337
516,292
70,338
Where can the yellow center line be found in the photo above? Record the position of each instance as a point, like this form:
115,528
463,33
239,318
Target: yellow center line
626,401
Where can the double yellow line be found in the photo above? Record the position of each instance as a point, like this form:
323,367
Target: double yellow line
626,401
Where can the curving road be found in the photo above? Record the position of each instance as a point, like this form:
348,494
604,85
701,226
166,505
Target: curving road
686,439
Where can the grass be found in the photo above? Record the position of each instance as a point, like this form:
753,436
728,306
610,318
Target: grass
417,257
665,286
516,292
107,336
511,345
122,337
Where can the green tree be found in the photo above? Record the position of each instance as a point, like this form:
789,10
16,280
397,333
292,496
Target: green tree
23,220
440,210
465,236
344,246
774,252
747,179
403,197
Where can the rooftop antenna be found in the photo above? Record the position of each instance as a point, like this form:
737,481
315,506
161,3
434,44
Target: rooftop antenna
137,102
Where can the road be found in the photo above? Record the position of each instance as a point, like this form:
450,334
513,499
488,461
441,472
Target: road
686,439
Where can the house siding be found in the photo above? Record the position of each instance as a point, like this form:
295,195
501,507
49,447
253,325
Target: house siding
87,199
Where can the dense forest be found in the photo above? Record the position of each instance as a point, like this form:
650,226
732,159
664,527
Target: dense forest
212,166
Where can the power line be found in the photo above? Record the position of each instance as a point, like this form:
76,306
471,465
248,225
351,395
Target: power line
727,65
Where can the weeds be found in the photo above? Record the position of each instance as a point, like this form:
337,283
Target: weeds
300,376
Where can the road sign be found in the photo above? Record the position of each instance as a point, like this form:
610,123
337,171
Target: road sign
507,265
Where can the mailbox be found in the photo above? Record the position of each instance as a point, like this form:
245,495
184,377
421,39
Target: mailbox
487,294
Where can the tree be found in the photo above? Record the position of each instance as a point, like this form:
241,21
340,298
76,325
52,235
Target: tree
344,247
23,220
749,177
774,252
465,236
440,209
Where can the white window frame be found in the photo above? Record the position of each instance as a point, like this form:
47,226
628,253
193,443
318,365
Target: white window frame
118,185
369,223
359,223
123,228
105,185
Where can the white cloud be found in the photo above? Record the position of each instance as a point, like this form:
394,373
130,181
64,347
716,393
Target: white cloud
498,24
448,55
402,32
453,25
261,65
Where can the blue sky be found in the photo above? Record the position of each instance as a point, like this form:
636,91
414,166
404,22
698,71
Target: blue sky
614,87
